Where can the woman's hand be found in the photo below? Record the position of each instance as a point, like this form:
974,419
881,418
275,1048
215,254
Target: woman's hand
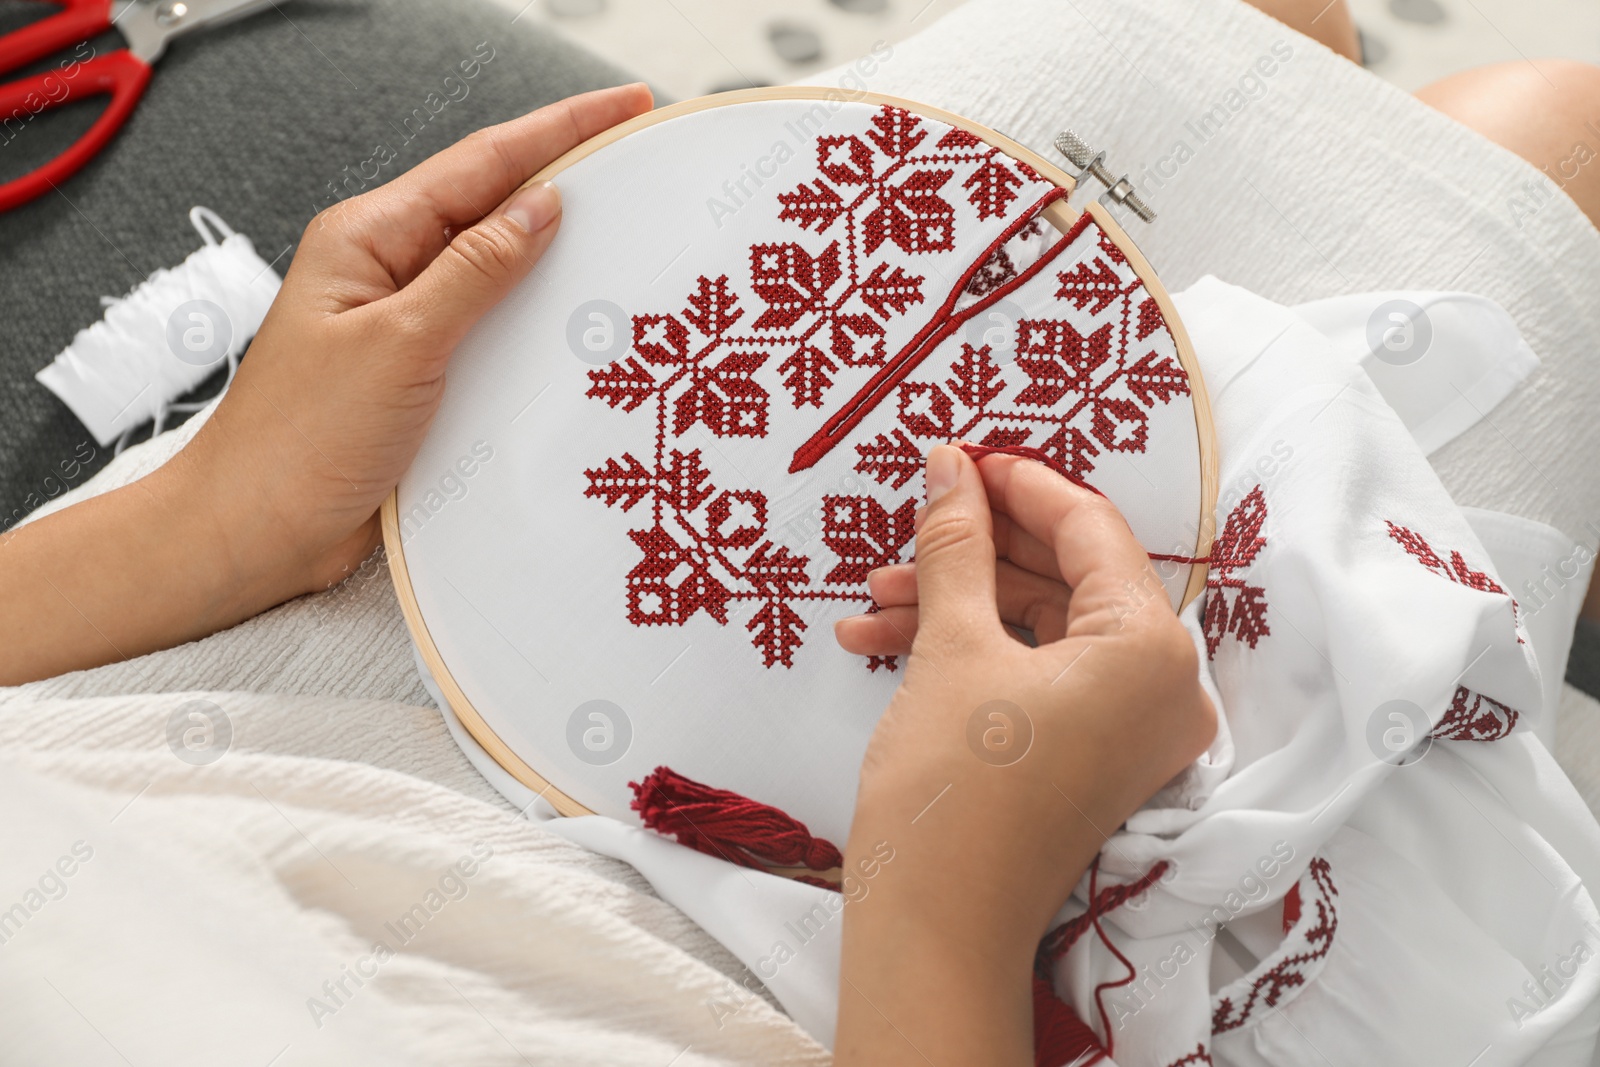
349,366
999,769
278,493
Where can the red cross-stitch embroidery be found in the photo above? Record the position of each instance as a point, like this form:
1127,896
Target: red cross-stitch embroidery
1198,1056
885,186
1471,716
884,198
1088,390
1302,951
1456,570
1474,717
1232,605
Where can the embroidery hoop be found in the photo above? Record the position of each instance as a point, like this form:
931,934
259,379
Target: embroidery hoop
1059,214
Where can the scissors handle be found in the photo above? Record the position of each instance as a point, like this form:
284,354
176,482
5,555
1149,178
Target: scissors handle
78,20
121,74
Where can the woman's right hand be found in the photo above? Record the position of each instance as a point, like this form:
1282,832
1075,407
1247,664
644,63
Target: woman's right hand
999,769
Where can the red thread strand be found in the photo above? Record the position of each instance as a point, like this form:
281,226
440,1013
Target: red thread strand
1058,942
978,452
1171,558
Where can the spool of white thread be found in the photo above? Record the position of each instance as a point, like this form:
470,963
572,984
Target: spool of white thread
166,336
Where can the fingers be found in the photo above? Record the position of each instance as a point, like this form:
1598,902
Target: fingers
407,222
469,179
951,590
955,552
1025,600
889,632
1095,552
893,586
1013,543
478,268
1032,602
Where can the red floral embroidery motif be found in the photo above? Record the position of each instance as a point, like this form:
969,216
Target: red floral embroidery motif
1304,947
882,198
1457,570
883,189
1087,392
1232,605
1198,1056
1474,717
1471,716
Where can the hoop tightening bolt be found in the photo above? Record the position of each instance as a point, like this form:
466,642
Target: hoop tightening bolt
1088,161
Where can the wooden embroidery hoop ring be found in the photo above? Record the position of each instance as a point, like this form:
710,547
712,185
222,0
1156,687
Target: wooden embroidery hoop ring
1059,214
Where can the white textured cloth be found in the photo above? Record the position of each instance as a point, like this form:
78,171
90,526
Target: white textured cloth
608,973
338,887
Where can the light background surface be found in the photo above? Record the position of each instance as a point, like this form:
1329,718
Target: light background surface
691,47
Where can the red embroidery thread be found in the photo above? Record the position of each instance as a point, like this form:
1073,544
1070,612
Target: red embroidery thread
977,452
1232,605
1058,942
1093,395
944,322
1060,1038
724,824
1198,1056
1457,570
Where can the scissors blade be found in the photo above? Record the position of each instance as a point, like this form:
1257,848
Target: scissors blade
149,24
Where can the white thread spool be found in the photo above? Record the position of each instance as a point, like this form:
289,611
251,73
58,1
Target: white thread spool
166,336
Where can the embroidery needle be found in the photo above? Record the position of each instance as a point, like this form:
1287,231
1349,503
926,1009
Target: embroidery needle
938,328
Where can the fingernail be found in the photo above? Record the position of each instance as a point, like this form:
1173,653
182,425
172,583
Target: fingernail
535,207
943,469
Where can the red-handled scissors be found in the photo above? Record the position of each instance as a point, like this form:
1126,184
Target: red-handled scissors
123,74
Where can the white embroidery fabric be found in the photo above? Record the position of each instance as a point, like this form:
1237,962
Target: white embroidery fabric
700,444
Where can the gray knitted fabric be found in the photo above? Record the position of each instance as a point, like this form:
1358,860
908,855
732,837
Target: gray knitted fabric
264,121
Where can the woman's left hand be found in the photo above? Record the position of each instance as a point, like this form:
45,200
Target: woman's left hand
278,493
347,370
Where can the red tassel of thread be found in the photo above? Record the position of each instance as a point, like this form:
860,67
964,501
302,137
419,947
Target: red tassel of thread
729,826
1060,1038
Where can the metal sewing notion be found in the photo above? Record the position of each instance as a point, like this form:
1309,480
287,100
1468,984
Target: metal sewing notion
1088,161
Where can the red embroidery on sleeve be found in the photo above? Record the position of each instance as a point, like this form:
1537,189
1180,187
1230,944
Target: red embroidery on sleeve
1232,605
1471,715
1198,1056
1456,570
1300,955
1474,717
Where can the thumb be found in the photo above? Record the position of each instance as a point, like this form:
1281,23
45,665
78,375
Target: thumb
955,550
482,264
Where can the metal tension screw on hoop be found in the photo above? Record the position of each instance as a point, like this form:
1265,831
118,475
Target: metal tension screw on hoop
1092,163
